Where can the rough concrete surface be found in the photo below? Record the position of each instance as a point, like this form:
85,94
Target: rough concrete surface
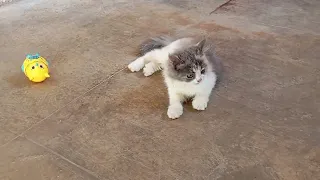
93,119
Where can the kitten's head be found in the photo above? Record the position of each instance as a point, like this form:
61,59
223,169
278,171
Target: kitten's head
188,65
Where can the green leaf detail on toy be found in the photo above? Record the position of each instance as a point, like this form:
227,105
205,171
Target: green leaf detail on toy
35,56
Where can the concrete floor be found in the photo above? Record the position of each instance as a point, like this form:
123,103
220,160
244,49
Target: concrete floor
93,119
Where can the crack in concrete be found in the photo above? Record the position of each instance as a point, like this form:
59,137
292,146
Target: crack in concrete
59,109
224,4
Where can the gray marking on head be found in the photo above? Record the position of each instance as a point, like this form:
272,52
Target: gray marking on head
183,64
187,64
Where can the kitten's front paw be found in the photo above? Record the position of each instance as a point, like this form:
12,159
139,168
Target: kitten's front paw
175,111
200,104
148,70
136,65
151,68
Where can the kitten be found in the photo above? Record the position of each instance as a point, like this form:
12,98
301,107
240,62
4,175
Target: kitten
190,69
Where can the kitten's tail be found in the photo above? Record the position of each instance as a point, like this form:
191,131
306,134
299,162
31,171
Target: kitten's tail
155,43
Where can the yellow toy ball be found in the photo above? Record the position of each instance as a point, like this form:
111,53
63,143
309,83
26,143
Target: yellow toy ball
36,68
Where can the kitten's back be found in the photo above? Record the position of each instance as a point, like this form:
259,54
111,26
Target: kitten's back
155,43
210,54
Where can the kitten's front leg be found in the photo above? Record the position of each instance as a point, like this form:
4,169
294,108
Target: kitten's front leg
137,64
175,109
200,101
150,61
151,68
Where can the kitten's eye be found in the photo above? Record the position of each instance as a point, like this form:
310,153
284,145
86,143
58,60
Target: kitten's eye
32,67
190,76
203,71
41,66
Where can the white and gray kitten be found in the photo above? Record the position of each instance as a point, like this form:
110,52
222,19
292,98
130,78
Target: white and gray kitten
190,69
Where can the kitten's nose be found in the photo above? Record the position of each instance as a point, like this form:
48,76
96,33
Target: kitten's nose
199,80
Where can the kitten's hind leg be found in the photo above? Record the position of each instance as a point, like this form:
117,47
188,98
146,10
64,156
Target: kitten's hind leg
137,64
151,68
155,57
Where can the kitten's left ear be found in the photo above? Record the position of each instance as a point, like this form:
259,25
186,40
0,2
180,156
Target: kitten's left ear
200,46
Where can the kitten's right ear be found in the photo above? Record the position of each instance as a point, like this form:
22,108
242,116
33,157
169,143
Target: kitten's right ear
200,46
175,61
174,58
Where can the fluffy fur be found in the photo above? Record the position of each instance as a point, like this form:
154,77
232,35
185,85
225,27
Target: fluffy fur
190,69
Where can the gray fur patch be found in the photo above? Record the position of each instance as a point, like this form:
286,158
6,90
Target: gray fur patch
182,64
155,43
216,63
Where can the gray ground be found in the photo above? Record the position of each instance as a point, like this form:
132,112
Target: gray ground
93,119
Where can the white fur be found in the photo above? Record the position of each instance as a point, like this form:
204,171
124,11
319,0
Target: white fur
178,91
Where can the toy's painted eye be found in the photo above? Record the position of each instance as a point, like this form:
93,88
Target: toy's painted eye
32,67
41,66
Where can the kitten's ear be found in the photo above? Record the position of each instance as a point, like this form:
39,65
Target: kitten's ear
176,62
175,59
200,46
